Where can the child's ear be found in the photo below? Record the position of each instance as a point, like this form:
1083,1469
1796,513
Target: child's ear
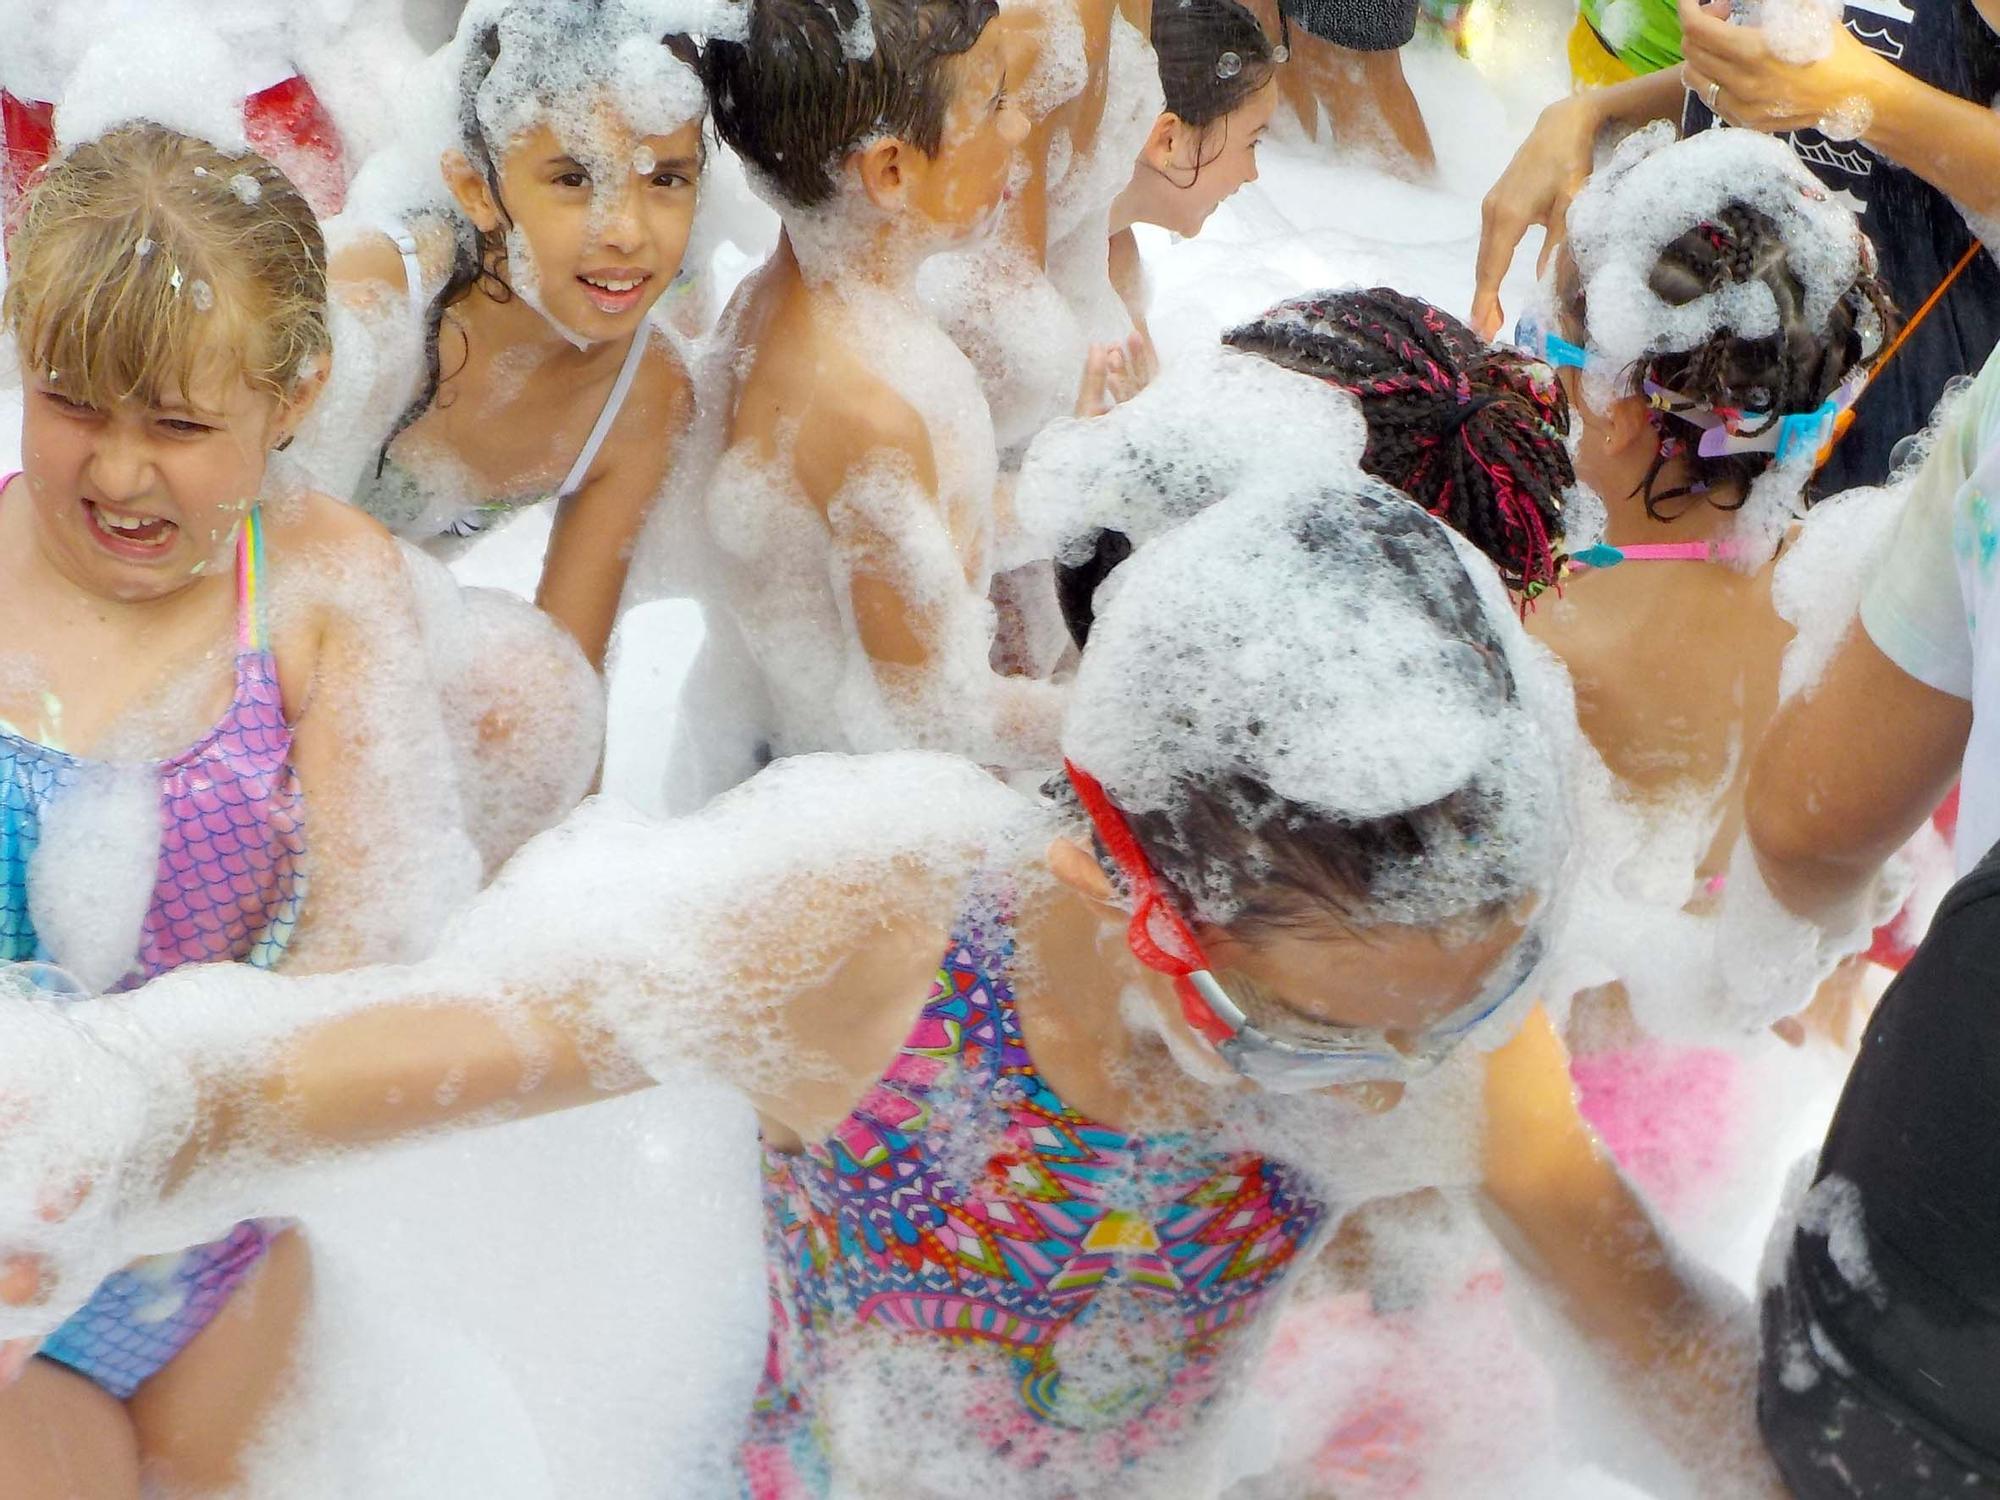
884,168
469,186
1629,426
305,391
1163,141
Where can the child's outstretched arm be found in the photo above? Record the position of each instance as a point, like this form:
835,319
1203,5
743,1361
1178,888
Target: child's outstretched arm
782,941
1681,1345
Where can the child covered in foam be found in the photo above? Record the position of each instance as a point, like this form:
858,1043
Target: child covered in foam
1713,311
1037,1175
219,738
852,512
1033,306
494,328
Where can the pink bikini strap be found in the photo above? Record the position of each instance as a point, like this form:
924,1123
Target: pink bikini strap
1670,552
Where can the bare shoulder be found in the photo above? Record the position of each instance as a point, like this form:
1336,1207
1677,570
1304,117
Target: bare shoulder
368,260
332,542
854,419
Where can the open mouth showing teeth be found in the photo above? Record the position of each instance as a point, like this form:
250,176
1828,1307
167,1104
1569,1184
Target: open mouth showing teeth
120,527
615,285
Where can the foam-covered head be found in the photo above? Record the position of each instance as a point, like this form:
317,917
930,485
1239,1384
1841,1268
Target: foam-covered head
578,152
147,261
814,80
1309,702
1473,433
530,62
1721,270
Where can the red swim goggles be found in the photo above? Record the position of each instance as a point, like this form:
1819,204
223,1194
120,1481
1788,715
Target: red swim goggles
1161,939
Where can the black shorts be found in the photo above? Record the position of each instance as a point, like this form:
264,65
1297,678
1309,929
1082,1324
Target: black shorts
1358,25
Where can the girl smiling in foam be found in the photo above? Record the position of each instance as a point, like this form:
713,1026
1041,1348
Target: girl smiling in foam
498,348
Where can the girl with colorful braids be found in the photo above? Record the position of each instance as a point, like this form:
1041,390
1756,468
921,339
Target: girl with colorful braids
1057,1097
217,742
1472,432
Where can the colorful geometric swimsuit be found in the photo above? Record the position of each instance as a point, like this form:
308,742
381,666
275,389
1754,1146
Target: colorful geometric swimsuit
228,886
1098,1287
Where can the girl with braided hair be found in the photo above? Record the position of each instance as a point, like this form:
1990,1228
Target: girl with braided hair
1471,432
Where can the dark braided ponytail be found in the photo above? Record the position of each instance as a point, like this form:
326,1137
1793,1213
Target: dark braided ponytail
1471,432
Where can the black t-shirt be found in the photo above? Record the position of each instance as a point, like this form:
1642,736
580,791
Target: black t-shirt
1917,1134
1918,234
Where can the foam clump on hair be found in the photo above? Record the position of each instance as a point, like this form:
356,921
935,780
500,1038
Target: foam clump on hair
553,57
1653,190
1349,652
1205,427
159,71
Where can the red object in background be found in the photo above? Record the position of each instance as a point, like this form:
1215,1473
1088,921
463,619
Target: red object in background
285,123
1892,948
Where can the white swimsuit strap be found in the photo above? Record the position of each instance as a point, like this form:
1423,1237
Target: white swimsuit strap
413,269
573,481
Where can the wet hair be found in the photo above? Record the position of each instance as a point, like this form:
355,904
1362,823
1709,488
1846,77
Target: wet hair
1471,432
1213,55
800,92
1230,839
477,254
1788,372
142,256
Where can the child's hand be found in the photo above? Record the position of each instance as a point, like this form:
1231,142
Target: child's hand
1113,374
91,1117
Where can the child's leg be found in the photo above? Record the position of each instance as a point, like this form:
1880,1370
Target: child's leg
1368,100
64,1438
195,1419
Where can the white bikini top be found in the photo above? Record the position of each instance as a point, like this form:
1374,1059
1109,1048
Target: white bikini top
413,271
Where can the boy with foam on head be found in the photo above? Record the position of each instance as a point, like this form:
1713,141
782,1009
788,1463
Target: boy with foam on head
852,508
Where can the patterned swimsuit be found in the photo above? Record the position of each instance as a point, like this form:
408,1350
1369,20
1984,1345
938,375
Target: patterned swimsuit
228,885
1098,1286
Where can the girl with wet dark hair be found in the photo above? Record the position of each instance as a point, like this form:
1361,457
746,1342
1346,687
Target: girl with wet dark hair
1218,72
498,345
1057,1103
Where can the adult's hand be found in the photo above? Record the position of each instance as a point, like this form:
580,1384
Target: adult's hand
1546,173
1733,70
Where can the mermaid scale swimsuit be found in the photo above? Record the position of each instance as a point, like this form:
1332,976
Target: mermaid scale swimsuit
1101,1280
228,885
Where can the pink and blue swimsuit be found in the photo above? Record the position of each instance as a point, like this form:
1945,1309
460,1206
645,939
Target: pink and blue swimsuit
229,885
963,1201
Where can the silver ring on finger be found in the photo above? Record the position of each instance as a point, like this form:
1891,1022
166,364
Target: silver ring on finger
1714,93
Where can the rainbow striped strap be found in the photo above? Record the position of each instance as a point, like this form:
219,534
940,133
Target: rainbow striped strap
250,634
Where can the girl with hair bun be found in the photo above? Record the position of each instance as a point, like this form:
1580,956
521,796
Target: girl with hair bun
1218,72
